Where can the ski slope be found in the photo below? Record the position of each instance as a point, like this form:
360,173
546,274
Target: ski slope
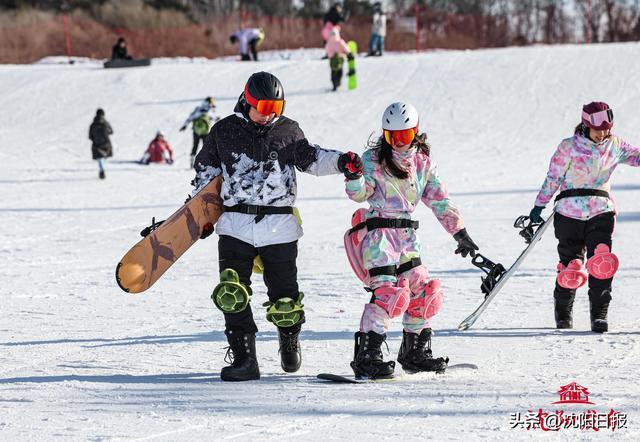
81,360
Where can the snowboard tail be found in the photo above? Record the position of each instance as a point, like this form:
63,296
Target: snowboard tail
351,380
351,74
165,243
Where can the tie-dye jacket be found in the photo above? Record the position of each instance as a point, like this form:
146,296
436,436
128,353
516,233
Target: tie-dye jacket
580,163
391,197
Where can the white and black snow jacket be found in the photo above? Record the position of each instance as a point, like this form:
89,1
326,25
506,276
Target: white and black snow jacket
258,165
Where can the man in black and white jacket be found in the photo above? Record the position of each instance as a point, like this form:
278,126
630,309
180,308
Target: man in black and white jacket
256,151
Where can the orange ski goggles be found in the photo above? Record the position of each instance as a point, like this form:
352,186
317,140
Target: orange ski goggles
404,136
265,107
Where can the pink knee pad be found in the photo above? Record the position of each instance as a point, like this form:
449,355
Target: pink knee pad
603,264
427,306
394,299
572,276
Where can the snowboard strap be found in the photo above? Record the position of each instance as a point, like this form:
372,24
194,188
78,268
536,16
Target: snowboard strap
260,211
385,223
581,192
393,270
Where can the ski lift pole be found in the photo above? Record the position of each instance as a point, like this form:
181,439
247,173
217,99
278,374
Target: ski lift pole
588,21
64,7
417,13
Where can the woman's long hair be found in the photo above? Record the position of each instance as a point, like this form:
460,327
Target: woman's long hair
581,129
385,151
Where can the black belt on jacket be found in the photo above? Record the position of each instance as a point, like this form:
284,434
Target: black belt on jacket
581,192
259,211
386,223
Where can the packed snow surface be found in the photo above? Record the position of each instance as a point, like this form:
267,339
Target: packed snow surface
82,360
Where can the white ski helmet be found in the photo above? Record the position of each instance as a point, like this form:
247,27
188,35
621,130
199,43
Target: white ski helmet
400,116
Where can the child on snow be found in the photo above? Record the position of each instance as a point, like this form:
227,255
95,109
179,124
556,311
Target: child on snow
384,248
201,119
336,49
158,151
585,213
257,151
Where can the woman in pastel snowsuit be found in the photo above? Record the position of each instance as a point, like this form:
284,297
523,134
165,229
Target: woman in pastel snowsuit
584,215
336,49
399,173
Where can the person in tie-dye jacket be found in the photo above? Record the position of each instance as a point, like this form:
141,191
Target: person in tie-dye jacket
399,172
585,214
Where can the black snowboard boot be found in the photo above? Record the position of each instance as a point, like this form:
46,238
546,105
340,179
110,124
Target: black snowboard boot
290,355
599,308
415,353
367,358
101,175
242,357
564,311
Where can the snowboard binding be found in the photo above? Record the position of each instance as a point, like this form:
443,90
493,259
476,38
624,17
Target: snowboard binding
527,230
154,225
493,271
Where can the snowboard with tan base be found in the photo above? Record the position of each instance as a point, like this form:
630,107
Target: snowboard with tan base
147,261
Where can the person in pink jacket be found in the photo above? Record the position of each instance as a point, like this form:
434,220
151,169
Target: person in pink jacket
398,172
584,217
336,50
158,151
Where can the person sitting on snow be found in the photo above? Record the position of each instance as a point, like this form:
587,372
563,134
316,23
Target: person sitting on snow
119,50
158,151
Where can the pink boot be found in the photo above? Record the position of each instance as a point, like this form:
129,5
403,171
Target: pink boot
603,264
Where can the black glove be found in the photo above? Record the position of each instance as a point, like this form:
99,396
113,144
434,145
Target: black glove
350,164
183,128
535,215
465,243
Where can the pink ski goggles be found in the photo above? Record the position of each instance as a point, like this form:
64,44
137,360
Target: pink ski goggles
600,118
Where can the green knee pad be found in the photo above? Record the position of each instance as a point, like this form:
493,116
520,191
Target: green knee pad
285,312
230,295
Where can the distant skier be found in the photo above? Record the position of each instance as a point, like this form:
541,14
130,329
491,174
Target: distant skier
331,19
101,148
249,39
336,49
201,119
378,30
585,214
119,50
158,151
399,172
257,151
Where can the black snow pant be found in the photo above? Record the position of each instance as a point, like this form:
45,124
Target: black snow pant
280,274
336,63
196,143
574,236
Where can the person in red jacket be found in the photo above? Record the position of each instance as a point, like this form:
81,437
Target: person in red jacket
158,151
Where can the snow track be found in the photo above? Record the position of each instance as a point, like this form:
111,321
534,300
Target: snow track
81,360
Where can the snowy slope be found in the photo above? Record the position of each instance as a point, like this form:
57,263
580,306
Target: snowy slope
79,359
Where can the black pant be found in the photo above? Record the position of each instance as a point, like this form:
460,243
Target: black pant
574,236
336,63
280,273
196,143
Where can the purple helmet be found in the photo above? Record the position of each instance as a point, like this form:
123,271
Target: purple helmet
597,115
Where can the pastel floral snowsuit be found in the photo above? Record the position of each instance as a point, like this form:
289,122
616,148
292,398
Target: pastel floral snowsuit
583,222
580,163
391,197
